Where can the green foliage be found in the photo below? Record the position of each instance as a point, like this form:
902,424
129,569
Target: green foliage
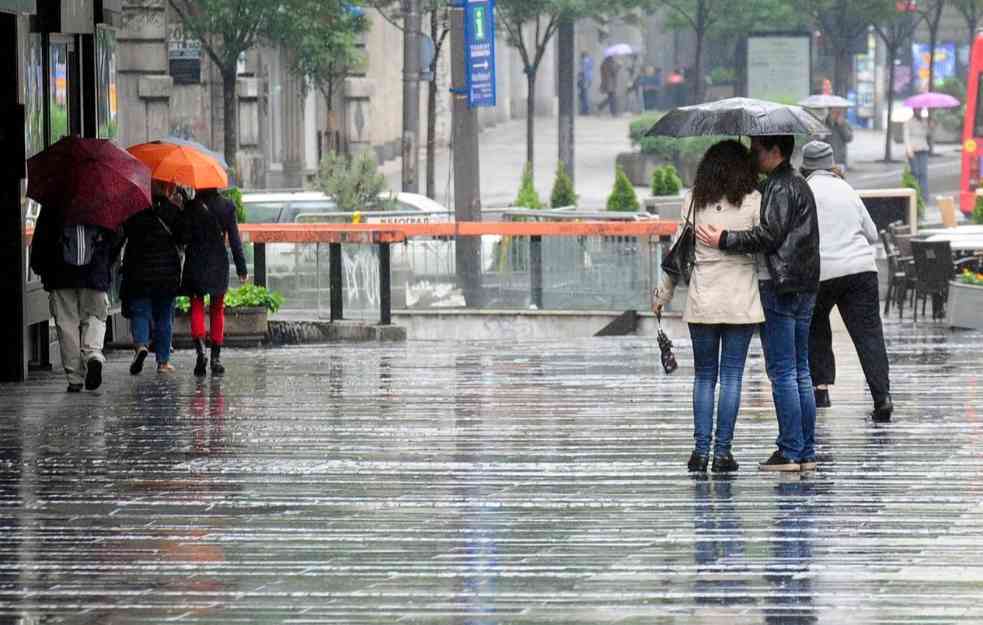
722,75
324,38
354,183
623,197
235,194
642,124
227,28
666,181
909,181
527,198
952,119
977,216
563,191
969,277
246,296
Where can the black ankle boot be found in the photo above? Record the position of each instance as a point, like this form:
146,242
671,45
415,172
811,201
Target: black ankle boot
217,368
200,361
883,410
697,463
822,398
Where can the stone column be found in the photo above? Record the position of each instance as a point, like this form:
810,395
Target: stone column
293,124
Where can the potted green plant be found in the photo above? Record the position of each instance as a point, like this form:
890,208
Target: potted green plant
965,306
247,310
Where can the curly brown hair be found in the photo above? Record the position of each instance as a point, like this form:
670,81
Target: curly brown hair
726,171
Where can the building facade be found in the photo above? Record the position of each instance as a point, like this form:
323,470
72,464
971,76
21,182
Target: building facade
57,77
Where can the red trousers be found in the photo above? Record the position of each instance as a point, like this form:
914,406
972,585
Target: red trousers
216,317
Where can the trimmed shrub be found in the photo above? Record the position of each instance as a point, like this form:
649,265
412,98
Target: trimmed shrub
666,181
527,198
563,192
623,197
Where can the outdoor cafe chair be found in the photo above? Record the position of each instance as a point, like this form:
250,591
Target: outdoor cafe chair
900,281
934,269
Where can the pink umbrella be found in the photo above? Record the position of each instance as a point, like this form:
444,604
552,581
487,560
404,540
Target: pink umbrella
931,100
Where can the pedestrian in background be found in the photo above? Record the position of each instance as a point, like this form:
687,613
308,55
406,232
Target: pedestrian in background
152,275
848,281
840,134
74,263
585,80
917,135
210,221
788,241
723,306
609,85
650,83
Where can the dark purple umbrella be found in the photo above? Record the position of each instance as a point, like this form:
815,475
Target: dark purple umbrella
91,181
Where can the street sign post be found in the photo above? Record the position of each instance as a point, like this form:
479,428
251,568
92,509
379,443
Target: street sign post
479,34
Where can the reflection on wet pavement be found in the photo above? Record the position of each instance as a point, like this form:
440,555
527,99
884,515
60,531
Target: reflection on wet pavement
485,483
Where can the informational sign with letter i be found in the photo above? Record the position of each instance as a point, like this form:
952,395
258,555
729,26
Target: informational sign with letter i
479,34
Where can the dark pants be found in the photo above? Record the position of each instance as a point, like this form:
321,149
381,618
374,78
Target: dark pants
856,298
584,92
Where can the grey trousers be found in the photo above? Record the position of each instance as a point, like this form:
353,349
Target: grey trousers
80,316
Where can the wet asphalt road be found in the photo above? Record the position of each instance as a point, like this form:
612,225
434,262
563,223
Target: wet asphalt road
486,483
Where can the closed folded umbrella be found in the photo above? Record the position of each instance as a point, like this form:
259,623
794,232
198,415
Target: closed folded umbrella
181,164
738,117
823,101
92,181
931,100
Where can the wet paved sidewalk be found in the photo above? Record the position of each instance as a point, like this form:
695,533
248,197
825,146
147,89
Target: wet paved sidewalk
486,483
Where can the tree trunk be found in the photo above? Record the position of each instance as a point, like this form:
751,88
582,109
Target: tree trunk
230,125
432,109
565,47
891,54
841,70
432,139
972,24
531,119
933,40
698,82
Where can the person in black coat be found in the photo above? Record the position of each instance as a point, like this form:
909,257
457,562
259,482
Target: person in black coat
210,220
74,263
152,277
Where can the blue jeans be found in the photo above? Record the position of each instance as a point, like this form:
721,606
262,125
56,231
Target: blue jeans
919,169
160,310
717,349
785,340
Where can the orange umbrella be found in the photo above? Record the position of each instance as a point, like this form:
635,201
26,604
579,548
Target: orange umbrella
181,164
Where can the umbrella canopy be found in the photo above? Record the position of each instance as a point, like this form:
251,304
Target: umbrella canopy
931,100
181,164
194,144
738,117
91,180
618,49
823,101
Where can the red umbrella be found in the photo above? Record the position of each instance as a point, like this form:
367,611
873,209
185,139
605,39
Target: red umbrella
91,180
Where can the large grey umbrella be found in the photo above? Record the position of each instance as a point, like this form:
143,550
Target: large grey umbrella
738,117
823,101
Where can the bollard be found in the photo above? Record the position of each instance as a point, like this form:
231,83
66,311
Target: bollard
385,286
259,264
536,270
335,282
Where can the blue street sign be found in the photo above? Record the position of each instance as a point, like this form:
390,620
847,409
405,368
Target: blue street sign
479,44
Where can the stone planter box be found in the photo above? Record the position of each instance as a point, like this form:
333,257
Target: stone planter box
965,306
244,327
665,206
639,167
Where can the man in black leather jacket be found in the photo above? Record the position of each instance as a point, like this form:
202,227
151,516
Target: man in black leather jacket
788,244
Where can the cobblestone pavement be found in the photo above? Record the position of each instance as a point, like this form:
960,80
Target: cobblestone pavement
486,483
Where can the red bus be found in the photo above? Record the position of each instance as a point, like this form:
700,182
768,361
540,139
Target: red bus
973,129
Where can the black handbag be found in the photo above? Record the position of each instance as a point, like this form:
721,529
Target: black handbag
679,260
